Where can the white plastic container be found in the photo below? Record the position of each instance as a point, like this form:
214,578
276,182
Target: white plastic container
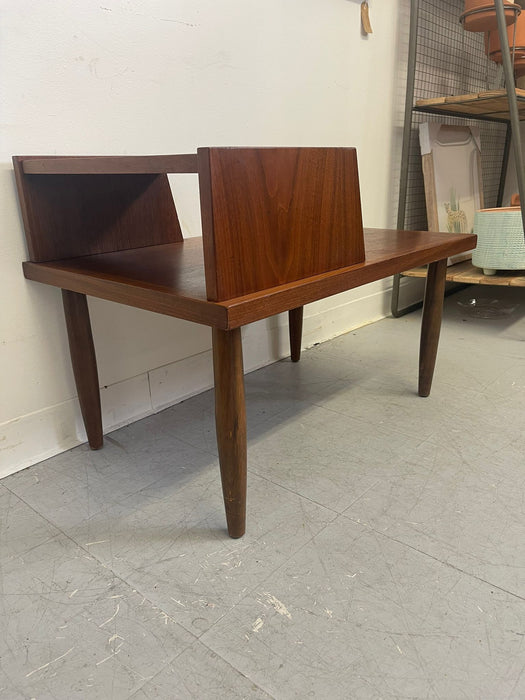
501,245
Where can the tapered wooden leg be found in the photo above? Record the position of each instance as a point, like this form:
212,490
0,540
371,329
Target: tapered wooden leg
84,364
295,320
431,323
230,421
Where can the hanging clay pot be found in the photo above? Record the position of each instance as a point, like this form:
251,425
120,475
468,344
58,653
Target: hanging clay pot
516,39
480,15
519,67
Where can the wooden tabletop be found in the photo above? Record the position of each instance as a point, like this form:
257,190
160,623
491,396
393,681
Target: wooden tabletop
169,278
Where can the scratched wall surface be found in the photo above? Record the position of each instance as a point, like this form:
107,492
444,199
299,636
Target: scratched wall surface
136,76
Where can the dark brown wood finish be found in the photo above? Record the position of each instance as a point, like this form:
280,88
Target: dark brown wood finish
387,251
84,364
109,165
296,213
295,321
230,421
281,228
167,279
67,216
170,279
431,324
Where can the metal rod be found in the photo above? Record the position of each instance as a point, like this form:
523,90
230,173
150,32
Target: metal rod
513,104
407,131
409,104
504,166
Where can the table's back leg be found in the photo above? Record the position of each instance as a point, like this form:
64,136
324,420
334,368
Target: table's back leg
431,323
295,321
230,421
84,364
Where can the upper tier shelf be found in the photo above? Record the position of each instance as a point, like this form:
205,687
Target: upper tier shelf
492,105
109,165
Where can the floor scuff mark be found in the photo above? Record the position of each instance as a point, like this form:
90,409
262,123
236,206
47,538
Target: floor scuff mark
278,606
112,617
41,668
259,622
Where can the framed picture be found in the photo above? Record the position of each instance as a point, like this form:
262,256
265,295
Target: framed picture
451,159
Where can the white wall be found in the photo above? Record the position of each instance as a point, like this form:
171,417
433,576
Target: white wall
167,76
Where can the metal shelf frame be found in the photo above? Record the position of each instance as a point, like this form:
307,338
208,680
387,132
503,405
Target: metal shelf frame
513,135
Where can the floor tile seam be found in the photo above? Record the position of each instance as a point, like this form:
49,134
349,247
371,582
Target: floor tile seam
165,432
251,591
178,655
163,667
358,498
105,509
435,441
481,387
374,424
100,563
199,448
289,490
128,586
151,484
252,424
434,558
283,411
40,515
28,551
229,663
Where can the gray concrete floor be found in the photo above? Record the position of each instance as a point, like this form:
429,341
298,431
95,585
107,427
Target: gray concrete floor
385,552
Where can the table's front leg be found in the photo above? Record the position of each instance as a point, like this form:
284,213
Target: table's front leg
230,423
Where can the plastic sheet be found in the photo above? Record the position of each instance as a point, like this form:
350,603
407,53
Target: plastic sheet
486,308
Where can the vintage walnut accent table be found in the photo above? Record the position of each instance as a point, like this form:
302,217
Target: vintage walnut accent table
281,227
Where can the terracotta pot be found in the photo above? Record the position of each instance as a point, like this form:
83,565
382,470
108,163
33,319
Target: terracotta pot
519,60
516,39
475,4
519,67
480,15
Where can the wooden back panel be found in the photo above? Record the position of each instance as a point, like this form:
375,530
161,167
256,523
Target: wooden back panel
72,215
276,215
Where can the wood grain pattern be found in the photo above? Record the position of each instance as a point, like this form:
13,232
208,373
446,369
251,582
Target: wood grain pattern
169,279
68,216
230,421
109,165
84,364
276,215
281,228
431,324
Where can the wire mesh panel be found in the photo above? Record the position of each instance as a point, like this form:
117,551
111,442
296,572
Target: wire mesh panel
451,61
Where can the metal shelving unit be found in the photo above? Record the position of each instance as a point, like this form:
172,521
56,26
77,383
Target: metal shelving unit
450,78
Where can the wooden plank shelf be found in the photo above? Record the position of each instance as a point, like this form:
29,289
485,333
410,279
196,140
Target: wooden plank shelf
492,105
466,273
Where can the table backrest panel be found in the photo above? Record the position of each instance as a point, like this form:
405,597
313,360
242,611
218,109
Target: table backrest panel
275,215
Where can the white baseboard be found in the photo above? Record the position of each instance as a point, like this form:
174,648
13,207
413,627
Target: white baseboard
37,436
